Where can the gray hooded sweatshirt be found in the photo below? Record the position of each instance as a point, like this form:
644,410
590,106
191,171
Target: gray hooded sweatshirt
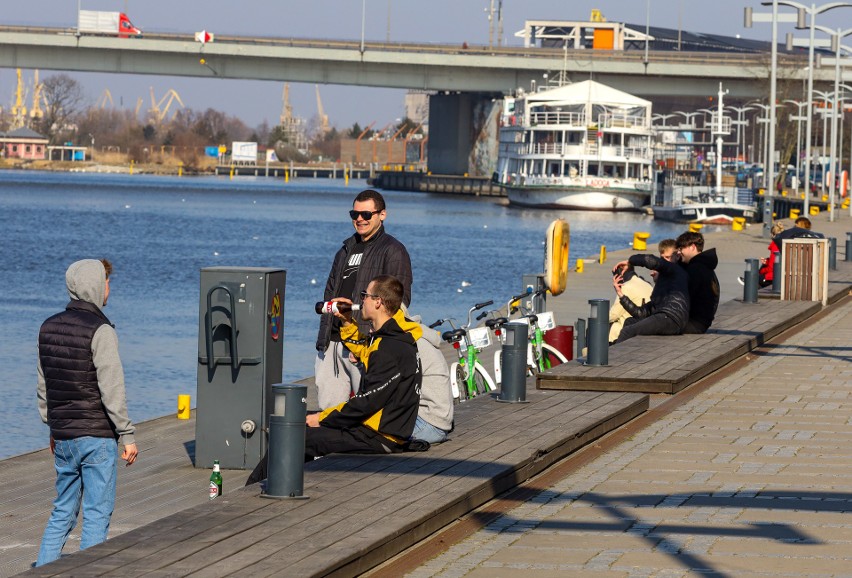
86,281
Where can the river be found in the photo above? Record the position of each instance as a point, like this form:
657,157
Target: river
160,231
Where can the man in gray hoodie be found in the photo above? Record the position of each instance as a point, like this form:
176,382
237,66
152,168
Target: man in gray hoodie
81,397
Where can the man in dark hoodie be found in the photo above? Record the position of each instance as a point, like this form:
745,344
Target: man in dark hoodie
704,287
668,310
81,397
381,417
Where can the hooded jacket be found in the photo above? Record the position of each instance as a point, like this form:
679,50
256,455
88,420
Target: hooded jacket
671,291
80,378
383,255
389,395
704,290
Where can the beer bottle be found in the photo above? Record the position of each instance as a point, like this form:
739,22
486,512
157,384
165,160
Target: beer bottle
336,307
215,481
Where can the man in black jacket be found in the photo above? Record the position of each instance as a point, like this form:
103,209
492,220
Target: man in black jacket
668,310
704,287
369,252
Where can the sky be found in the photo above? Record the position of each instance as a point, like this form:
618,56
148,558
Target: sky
444,21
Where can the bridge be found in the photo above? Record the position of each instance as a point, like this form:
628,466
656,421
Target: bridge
472,74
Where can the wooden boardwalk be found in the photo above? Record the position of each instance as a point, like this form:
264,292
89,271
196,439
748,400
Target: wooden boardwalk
361,509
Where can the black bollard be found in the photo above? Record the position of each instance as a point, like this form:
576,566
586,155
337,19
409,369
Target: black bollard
580,332
751,278
849,246
513,363
776,272
286,477
832,253
598,333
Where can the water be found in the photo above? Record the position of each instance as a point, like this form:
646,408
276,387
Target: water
159,231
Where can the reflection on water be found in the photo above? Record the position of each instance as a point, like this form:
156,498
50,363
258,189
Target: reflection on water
159,231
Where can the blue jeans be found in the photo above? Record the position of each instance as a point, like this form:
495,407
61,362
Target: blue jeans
85,472
423,430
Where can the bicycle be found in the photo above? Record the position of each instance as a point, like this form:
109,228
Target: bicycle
467,373
538,352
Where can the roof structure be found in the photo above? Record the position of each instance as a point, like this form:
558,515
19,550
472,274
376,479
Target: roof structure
585,92
23,133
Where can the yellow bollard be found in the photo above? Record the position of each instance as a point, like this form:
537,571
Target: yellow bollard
794,213
640,240
814,210
180,169
346,178
286,176
183,406
845,203
761,192
738,224
232,173
579,265
602,258
131,167
784,193
695,227
824,198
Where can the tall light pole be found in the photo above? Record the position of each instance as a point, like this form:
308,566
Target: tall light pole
826,97
363,22
764,138
740,122
799,117
647,30
811,11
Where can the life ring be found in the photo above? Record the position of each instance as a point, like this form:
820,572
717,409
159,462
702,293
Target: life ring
557,243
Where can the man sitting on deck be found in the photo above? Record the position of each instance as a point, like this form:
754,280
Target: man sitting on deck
668,310
380,418
704,288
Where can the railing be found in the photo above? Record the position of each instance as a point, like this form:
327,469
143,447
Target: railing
575,150
620,120
558,117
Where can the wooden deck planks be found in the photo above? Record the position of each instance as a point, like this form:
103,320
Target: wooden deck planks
667,364
363,509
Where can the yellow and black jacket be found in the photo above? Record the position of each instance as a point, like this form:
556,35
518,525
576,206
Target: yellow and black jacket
389,395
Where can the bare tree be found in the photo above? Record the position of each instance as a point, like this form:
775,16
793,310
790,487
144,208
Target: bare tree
63,98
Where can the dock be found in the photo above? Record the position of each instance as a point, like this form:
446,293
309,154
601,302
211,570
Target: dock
361,510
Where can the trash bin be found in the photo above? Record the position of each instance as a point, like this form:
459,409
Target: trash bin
561,338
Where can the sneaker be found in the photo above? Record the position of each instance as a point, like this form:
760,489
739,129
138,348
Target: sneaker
741,281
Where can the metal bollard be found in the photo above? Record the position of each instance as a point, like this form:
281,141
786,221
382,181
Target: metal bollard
580,332
598,333
776,273
849,246
832,253
513,363
286,477
751,278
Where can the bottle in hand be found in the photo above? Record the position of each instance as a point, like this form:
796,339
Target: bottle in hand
215,481
335,307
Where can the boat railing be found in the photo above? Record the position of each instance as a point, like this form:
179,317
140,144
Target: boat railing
558,117
620,120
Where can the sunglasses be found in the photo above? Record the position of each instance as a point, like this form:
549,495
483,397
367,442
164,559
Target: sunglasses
365,215
364,294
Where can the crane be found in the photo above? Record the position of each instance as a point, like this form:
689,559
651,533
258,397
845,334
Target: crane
324,128
160,108
106,98
35,112
286,109
19,111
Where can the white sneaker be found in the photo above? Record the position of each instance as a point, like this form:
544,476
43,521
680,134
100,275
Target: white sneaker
741,281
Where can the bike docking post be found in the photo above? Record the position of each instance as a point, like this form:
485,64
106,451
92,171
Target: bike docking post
832,253
513,363
286,477
750,280
598,354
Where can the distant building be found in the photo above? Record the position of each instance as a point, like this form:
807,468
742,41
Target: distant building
23,143
417,107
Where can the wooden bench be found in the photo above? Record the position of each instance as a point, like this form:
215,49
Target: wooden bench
362,510
667,364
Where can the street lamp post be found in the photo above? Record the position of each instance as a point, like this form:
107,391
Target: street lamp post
826,97
764,156
740,122
798,118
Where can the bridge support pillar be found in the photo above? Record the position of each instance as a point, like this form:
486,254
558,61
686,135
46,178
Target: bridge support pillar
463,132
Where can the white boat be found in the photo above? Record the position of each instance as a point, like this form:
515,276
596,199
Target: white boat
681,198
579,146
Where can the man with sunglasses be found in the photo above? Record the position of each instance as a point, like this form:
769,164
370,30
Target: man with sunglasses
368,253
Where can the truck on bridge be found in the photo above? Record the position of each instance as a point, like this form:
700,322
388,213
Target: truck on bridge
108,23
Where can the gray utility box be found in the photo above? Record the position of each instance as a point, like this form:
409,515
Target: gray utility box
240,356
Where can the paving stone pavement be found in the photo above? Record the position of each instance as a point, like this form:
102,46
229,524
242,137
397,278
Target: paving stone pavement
752,477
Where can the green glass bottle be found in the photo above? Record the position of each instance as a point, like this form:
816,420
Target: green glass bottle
215,481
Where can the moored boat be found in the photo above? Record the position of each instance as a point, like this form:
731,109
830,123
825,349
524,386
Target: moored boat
579,146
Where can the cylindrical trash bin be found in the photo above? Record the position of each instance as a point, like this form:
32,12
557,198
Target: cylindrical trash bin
561,338
286,477
513,363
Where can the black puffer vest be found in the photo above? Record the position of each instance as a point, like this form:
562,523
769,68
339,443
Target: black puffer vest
74,407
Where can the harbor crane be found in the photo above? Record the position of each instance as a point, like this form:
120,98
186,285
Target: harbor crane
323,118
36,113
160,108
106,98
286,109
19,110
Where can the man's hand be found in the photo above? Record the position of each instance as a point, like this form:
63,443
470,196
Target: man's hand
620,266
617,282
129,454
345,318
312,420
